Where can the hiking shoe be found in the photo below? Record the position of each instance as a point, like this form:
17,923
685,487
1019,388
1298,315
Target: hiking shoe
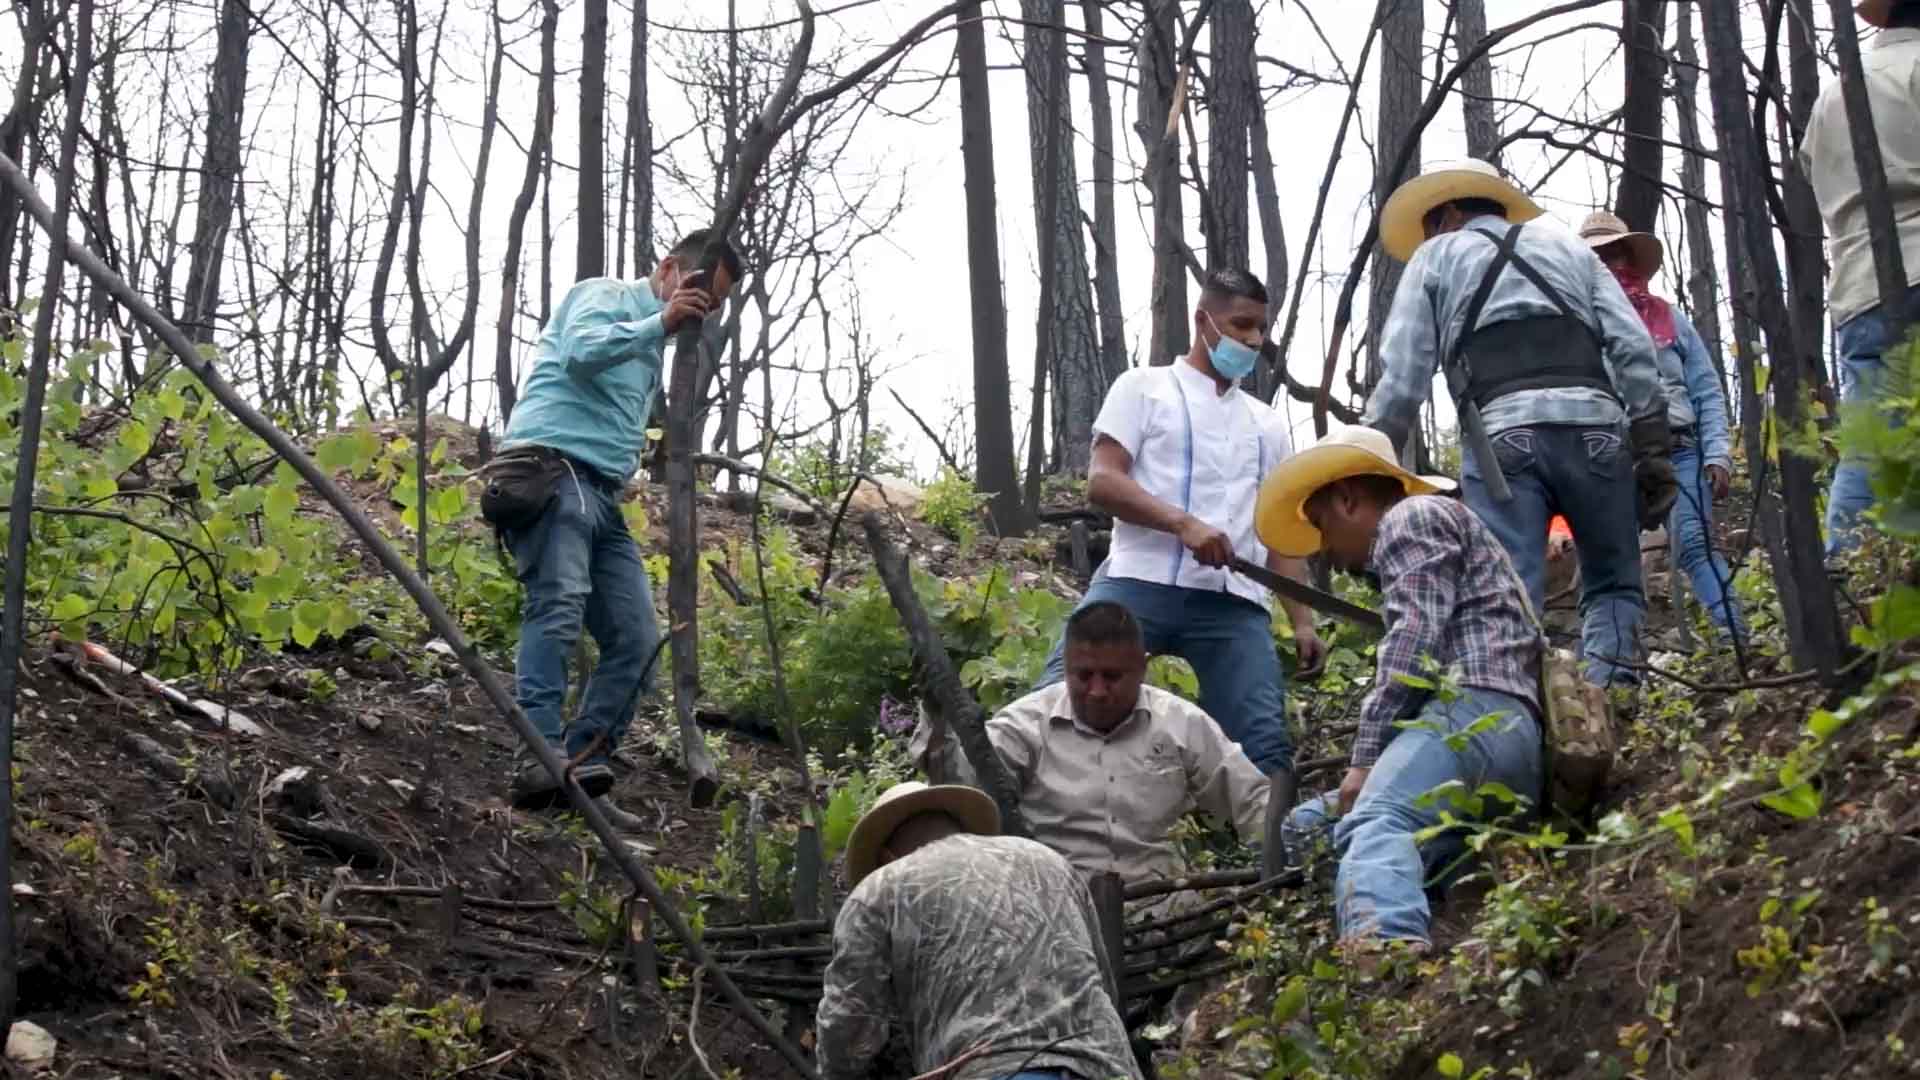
534,788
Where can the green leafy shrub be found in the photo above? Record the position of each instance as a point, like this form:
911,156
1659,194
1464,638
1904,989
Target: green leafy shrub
953,506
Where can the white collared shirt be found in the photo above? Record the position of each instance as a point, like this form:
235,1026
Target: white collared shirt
1892,69
1198,449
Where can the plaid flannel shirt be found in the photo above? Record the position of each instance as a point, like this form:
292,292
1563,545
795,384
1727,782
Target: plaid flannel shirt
1429,314
1451,595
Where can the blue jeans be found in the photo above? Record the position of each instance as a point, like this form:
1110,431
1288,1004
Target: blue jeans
1229,642
580,567
1690,536
1585,473
1862,343
1380,888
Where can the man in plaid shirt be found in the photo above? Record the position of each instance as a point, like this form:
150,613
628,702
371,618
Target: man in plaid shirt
1455,700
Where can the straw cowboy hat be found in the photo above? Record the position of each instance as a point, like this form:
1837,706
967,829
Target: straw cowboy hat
1280,517
1467,178
1602,228
969,806
1877,12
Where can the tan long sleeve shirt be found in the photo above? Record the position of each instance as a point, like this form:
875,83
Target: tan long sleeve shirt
1108,802
1892,68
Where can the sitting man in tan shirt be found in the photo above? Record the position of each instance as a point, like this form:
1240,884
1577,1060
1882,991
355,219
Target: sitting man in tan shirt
1106,765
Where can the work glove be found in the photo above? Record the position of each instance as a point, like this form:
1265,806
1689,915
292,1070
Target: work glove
1655,484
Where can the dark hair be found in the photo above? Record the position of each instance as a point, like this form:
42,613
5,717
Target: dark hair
693,247
1471,207
1104,622
1222,285
1904,16
1385,490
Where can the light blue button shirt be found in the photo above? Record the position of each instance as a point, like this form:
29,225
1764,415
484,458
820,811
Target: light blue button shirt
1430,307
592,385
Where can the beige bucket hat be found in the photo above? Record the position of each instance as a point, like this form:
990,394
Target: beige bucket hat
1465,178
970,806
1601,228
1280,517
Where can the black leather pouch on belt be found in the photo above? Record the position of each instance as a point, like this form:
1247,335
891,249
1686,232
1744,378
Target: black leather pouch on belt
521,484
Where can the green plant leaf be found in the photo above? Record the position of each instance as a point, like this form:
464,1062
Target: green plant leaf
72,606
1450,1066
282,501
1799,801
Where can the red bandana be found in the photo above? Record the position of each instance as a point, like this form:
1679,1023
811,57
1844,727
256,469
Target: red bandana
1655,312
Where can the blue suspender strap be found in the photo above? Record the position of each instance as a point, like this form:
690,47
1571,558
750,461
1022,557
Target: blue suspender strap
1186,487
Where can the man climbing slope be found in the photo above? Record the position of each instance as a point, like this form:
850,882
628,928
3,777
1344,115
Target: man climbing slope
983,948
1696,410
1178,453
1863,324
1553,376
1456,613
555,490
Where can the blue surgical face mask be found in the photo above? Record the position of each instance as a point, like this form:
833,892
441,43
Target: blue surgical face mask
1232,359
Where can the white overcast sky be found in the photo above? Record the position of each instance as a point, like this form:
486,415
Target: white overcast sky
911,285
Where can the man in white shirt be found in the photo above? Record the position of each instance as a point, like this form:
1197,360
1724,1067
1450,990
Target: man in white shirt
1178,454
1862,326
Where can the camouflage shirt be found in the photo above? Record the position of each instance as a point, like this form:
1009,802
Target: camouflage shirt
972,940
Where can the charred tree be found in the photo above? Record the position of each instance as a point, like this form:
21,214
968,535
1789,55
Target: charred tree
1400,98
995,470
590,252
504,387
1067,321
1476,84
219,169
1703,278
1231,107
1106,263
1813,620
1642,34
1160,85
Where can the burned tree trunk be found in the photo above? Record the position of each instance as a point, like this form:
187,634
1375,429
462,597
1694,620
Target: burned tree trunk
995,471
503,381
1230,120
1804,234
1814,629
1160,84
1642,33
1400,99
1106,262
23,115
1703,278
590,253
1073,358
1476,84
220,169
639,169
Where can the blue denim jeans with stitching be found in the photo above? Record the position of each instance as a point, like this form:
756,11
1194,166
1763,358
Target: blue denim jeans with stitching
1585,473
1862,343
1380,888
581,568
1690,542
1229,642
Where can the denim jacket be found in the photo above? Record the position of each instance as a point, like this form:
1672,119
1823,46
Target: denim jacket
1695,398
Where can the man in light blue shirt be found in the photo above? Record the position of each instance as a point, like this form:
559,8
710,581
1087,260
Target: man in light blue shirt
573,441
1553,374
1696,410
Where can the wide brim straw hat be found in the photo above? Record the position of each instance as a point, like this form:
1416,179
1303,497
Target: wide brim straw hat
969,806
1876,12
1280,517
1466,178
1601,228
